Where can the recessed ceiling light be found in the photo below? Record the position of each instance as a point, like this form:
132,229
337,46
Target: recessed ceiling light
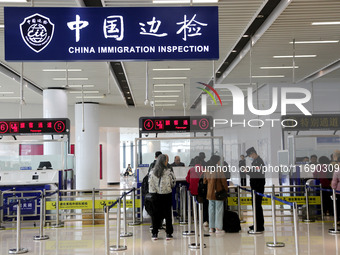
326,23
62,70
91,97
85,92
172,69
268,76
79,86
245,36
6,92
167,91
314,42
165,105
233,51
2,25
297,56
278,67
70,79
14,1
165,101
169,78
169,85
183,1
168,96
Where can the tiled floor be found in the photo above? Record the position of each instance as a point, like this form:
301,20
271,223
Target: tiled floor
313,239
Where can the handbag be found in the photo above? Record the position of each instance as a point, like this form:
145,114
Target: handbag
221,195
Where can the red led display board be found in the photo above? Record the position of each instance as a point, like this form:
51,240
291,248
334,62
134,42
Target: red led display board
175,124
34,126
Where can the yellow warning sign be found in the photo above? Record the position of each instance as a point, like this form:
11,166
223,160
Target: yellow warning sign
87,204
300,200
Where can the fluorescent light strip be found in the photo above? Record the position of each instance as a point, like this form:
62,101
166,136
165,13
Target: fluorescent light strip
278,67
6,92
183,1
297,56
13,1
62,70
169,78
165,101
85,92
91,97
70,79
167,91
314,42
268,76
79,86
9,98
326,23
171,69
168,96
169,85
165,105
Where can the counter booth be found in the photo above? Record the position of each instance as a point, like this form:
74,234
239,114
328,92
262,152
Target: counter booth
187,144
33,158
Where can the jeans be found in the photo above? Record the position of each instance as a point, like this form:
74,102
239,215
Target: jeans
216,211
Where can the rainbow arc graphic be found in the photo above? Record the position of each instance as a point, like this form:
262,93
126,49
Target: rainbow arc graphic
209,93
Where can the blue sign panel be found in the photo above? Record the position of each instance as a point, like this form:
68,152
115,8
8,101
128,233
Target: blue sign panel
127,33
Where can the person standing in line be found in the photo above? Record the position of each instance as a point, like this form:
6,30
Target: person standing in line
241,166
336,180
216,182
257,182
161,182
152,165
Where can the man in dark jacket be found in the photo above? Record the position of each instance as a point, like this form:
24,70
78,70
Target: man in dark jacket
257,182
241,166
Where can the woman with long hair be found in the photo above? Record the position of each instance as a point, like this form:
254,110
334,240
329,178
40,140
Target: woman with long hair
161,182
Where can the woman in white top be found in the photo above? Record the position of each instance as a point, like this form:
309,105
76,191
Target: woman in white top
161,182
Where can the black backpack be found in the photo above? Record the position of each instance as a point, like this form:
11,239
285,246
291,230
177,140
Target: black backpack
145,185
202,188
231,222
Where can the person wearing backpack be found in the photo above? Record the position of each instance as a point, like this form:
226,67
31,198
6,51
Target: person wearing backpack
161,182
217,183
193,178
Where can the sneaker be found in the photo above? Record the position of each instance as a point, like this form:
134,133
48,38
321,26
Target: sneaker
154,237
205,224
212,230
169,237
219,231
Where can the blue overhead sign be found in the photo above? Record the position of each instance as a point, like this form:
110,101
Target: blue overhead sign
127,33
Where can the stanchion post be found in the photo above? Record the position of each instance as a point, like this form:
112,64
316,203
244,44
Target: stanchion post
307,206
118,247
183,205
57,223
18,249
41,235
321,199
196,244
239,205
93,206
200,222
134,221
125,234
335,229
1,211
295,213
189,232
254,230
274,243
107,232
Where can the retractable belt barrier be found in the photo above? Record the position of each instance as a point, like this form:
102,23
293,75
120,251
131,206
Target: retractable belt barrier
272,197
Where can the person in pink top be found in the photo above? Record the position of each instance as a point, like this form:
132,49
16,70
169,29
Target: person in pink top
336,180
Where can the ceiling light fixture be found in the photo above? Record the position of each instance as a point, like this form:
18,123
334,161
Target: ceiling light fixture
326,23
79,86
14,1
165,105
6,92
168,96
165,101
169,78
278,67
172,69
167,91
268,76
169,85
2,25
62,70
9,98
183,1
70,79
85,92
91,97
314,42
297,56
